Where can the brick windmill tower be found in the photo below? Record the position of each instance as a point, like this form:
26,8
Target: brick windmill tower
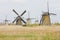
45,20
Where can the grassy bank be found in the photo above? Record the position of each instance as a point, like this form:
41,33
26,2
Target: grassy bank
44,36
29,33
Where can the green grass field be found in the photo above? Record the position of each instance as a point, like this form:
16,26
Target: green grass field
47,36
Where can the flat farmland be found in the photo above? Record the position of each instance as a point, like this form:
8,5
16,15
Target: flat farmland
14,32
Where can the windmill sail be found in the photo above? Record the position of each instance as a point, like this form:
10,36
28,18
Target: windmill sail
48,13
48,7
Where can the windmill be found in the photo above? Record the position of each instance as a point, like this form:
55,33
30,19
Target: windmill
45,20
6,21
18,19
29,19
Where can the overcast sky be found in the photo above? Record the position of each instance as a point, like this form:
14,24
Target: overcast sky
34,7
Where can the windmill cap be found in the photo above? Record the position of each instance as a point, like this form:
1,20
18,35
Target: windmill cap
45,13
